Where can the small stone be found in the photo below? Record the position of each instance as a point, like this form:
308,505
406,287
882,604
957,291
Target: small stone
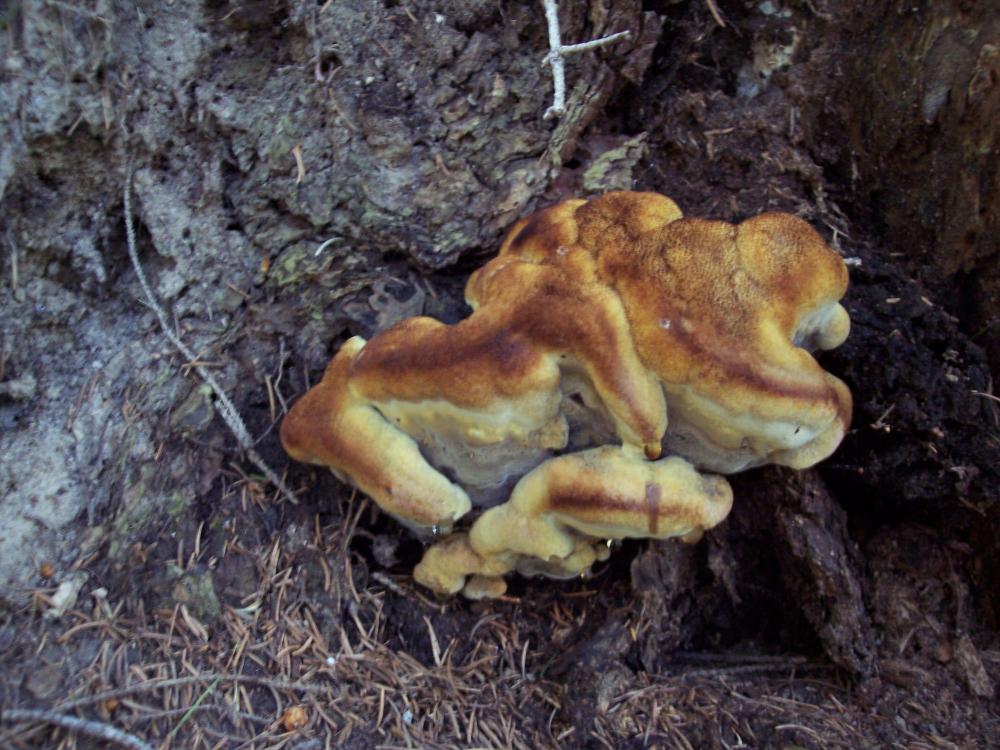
45,682
944,653
385,549
195,413
196,590
23,388
66,596
971,665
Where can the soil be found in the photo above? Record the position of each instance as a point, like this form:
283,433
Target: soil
851,605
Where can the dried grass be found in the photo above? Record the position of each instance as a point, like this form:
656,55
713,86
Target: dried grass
313,646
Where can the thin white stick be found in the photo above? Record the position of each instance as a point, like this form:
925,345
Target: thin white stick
230,414
557,53
13,266
570,49
555,61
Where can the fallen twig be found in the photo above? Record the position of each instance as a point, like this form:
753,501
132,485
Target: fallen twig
792,665
230,414
90,728
142,687
558,51
714,10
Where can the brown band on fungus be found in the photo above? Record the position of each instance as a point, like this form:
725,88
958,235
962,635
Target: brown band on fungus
653,506
535,230
648,511
570,500
733,363
469,364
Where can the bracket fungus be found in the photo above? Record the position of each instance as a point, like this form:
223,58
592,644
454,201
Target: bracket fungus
605,335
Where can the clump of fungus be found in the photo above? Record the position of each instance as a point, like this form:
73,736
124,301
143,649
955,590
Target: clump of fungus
549,404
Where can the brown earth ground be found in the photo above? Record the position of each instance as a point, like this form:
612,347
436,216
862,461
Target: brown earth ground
850,606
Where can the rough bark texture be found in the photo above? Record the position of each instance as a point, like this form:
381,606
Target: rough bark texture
419,134
922,99
410,135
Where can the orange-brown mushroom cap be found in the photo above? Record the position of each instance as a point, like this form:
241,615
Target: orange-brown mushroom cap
329,426
724,315
540,312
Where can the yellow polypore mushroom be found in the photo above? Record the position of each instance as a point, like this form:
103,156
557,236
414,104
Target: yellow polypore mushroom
596,321
559,515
